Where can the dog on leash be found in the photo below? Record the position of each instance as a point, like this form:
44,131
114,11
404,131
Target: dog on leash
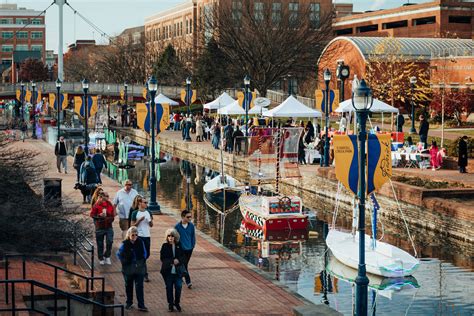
87,190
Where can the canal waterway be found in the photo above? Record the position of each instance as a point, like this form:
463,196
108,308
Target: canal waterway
300,260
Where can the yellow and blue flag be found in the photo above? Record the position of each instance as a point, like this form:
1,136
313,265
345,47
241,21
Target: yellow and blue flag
241,99
64,101
192,97
379,161
320,97
79,107
162,119
28,96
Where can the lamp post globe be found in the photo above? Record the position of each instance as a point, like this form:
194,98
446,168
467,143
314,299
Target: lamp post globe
327,79
33,104
58,107
413,81
362,102
246,103
153,206
85,88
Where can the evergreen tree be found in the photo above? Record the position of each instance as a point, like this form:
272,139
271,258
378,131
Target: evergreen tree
168,69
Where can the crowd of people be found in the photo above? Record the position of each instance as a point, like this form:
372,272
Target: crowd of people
136,222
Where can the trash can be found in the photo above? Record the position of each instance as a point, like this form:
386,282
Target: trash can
52,191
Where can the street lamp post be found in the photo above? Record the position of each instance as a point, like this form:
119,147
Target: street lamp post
246,101
153,206
85,88
22,101
58,108
327,79
33,104
412,86
290,88
362,102
188,97
188,123
125,106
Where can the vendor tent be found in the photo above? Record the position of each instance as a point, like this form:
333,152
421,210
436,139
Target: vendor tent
377,107
291,107
223,100
162,99
232,109
257,109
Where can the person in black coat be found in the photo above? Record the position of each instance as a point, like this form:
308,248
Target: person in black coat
132,254
172,259
423,131
462,154
79,158
400,122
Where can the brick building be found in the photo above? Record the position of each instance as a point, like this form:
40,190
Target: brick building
133,35
183,26
449,60
22,35
440,18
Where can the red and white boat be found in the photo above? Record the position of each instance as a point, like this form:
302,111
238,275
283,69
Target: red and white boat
273,212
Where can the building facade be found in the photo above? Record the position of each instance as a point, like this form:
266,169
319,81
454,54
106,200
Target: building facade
133,35
21,30
440,18
185,28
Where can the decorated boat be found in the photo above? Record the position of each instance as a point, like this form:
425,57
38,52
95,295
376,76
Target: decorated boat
273,212
222,192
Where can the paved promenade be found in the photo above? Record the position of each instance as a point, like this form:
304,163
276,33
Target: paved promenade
222,285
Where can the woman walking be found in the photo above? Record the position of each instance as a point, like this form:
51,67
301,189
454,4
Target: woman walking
132,254
143,220
172,268
79,158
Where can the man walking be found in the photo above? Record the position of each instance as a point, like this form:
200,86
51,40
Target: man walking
60,150
423,131
187,235
99,163
103,214
400,122
123,201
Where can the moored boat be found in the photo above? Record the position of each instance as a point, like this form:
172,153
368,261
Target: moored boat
222,193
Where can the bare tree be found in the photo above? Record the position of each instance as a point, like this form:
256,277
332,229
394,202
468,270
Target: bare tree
268,40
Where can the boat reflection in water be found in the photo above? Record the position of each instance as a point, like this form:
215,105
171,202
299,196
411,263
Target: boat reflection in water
282,245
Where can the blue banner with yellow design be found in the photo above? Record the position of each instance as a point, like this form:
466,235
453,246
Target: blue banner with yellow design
192,96
64,101
251,98
162,112
379,161
79,107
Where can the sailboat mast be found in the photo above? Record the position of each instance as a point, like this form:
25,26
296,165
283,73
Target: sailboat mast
277,185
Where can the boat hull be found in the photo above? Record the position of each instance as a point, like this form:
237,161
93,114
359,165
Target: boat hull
217,198
385,260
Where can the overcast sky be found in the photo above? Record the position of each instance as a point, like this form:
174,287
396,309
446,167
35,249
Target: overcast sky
113,16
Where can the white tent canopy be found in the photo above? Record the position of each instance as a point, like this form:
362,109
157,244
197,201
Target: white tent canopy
257,109
377,107
291,107
162,99
223,100
232,109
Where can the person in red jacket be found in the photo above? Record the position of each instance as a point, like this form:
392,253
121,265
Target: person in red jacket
103,213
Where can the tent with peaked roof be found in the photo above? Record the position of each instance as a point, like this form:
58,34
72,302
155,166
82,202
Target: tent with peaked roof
162,99
377,107
232,109
291,107
223,100
257,109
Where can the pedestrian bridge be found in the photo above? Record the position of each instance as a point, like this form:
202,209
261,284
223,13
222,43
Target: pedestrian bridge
104,89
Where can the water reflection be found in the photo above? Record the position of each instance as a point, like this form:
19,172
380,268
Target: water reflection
300,260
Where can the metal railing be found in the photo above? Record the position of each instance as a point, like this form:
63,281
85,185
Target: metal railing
84,244
57,293
89,280
279,97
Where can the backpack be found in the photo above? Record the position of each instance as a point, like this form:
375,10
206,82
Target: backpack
91,175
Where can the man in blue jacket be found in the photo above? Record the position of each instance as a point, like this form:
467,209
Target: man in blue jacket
187,238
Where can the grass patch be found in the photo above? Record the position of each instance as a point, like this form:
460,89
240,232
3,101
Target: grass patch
427,184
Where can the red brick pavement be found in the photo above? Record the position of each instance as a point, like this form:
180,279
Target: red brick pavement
221,284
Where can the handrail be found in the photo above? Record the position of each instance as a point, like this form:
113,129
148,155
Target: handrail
89,280
56,291
76,252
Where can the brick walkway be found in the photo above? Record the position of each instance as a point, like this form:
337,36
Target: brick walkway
221,284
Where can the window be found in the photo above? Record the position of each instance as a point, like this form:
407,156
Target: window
395,25
314,15
37,48
276,12
236,11
367,28
36,35
7,48
6,21
36,21
22,35
21,21
344,31
181,28
459,19
7,34
293,8
423,21
258,11
21,48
